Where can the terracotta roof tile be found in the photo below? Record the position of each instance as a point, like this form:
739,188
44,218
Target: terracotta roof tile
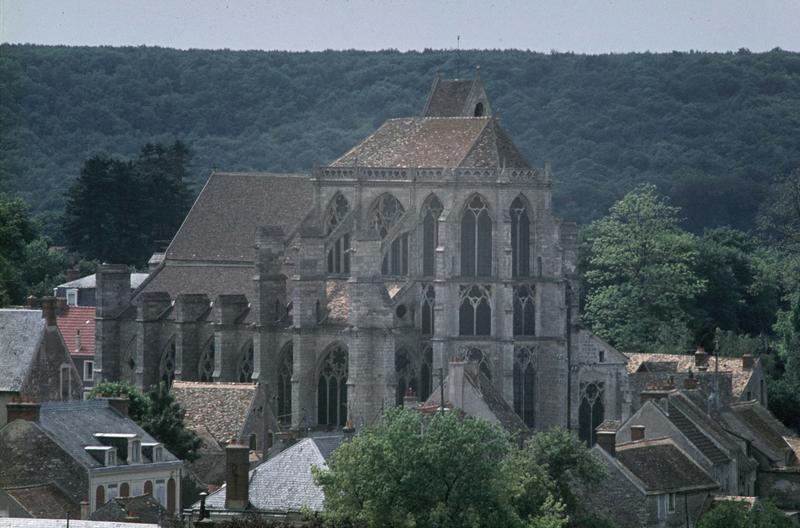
219,408
448,98
685,362
78,319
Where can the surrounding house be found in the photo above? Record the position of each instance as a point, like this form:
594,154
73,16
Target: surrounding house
94,452
340,289
35,364
650,483
223,413
280,488
81,291
38,501
76,324
733,379
143,508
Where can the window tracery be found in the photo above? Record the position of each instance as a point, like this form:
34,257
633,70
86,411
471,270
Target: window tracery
284,393
475,312
337,210
244,369
167,367
476,355
591,412
206,365
524,311
520,239
430,234
476,239
524,384
332,388
427,302
386,212
339,252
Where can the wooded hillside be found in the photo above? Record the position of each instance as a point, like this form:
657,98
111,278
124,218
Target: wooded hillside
711,130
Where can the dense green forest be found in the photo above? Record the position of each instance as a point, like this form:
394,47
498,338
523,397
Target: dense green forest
710,130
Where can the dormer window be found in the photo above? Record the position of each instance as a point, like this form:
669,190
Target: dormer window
72,297
152,452
134,451
111,458
158,454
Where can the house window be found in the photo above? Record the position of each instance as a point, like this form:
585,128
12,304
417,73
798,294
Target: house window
99,497
148,487
205,368
161,492
520,239
662,507
135,454
430,235
601,356
476,239
671,503
332,388
591,411
428,299
524,380
475,312
245,367
112,491
111,458
285,370
66,382
524,311
124,489
72,297
88,370
167,367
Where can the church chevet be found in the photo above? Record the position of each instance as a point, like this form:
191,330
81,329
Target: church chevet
429,245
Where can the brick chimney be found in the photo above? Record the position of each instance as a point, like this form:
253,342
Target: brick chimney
120,403
71,275
748,361
701,358
690,382
28,411
237,467
637,433
49,305
608,441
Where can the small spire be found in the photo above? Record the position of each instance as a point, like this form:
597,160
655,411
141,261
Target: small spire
477,71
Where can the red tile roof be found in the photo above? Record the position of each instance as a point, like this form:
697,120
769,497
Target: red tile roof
77,318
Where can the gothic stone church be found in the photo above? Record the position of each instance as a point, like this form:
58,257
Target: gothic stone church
338,291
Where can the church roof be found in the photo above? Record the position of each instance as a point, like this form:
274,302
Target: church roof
417,142
448,98
214,250
21,331
222,224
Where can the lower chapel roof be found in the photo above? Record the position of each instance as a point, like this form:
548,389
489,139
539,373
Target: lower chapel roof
662,467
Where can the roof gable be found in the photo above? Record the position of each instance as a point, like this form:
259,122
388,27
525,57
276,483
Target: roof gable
662,467
21,333
219,408
44,501
78,319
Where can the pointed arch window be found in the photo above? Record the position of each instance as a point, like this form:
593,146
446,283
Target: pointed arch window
475,312
520,239
205,369
167,367
524,311
395,260
406,370
284,396
332,388
426,373
591,411
430,235
338,254
428,300
476,239
244,369
386,212
524,380
476,355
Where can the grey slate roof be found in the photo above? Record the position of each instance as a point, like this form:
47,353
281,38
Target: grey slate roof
90,281
72,425
752,421
284,482
145,507
21,332
661,467
10,522
696,437
451,142
44,501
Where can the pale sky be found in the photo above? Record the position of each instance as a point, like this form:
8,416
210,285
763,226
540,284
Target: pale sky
582,26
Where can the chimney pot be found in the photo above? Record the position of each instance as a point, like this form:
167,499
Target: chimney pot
607,440
748,361
120,403
22,411
701,358
49,310
237,468
637,433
